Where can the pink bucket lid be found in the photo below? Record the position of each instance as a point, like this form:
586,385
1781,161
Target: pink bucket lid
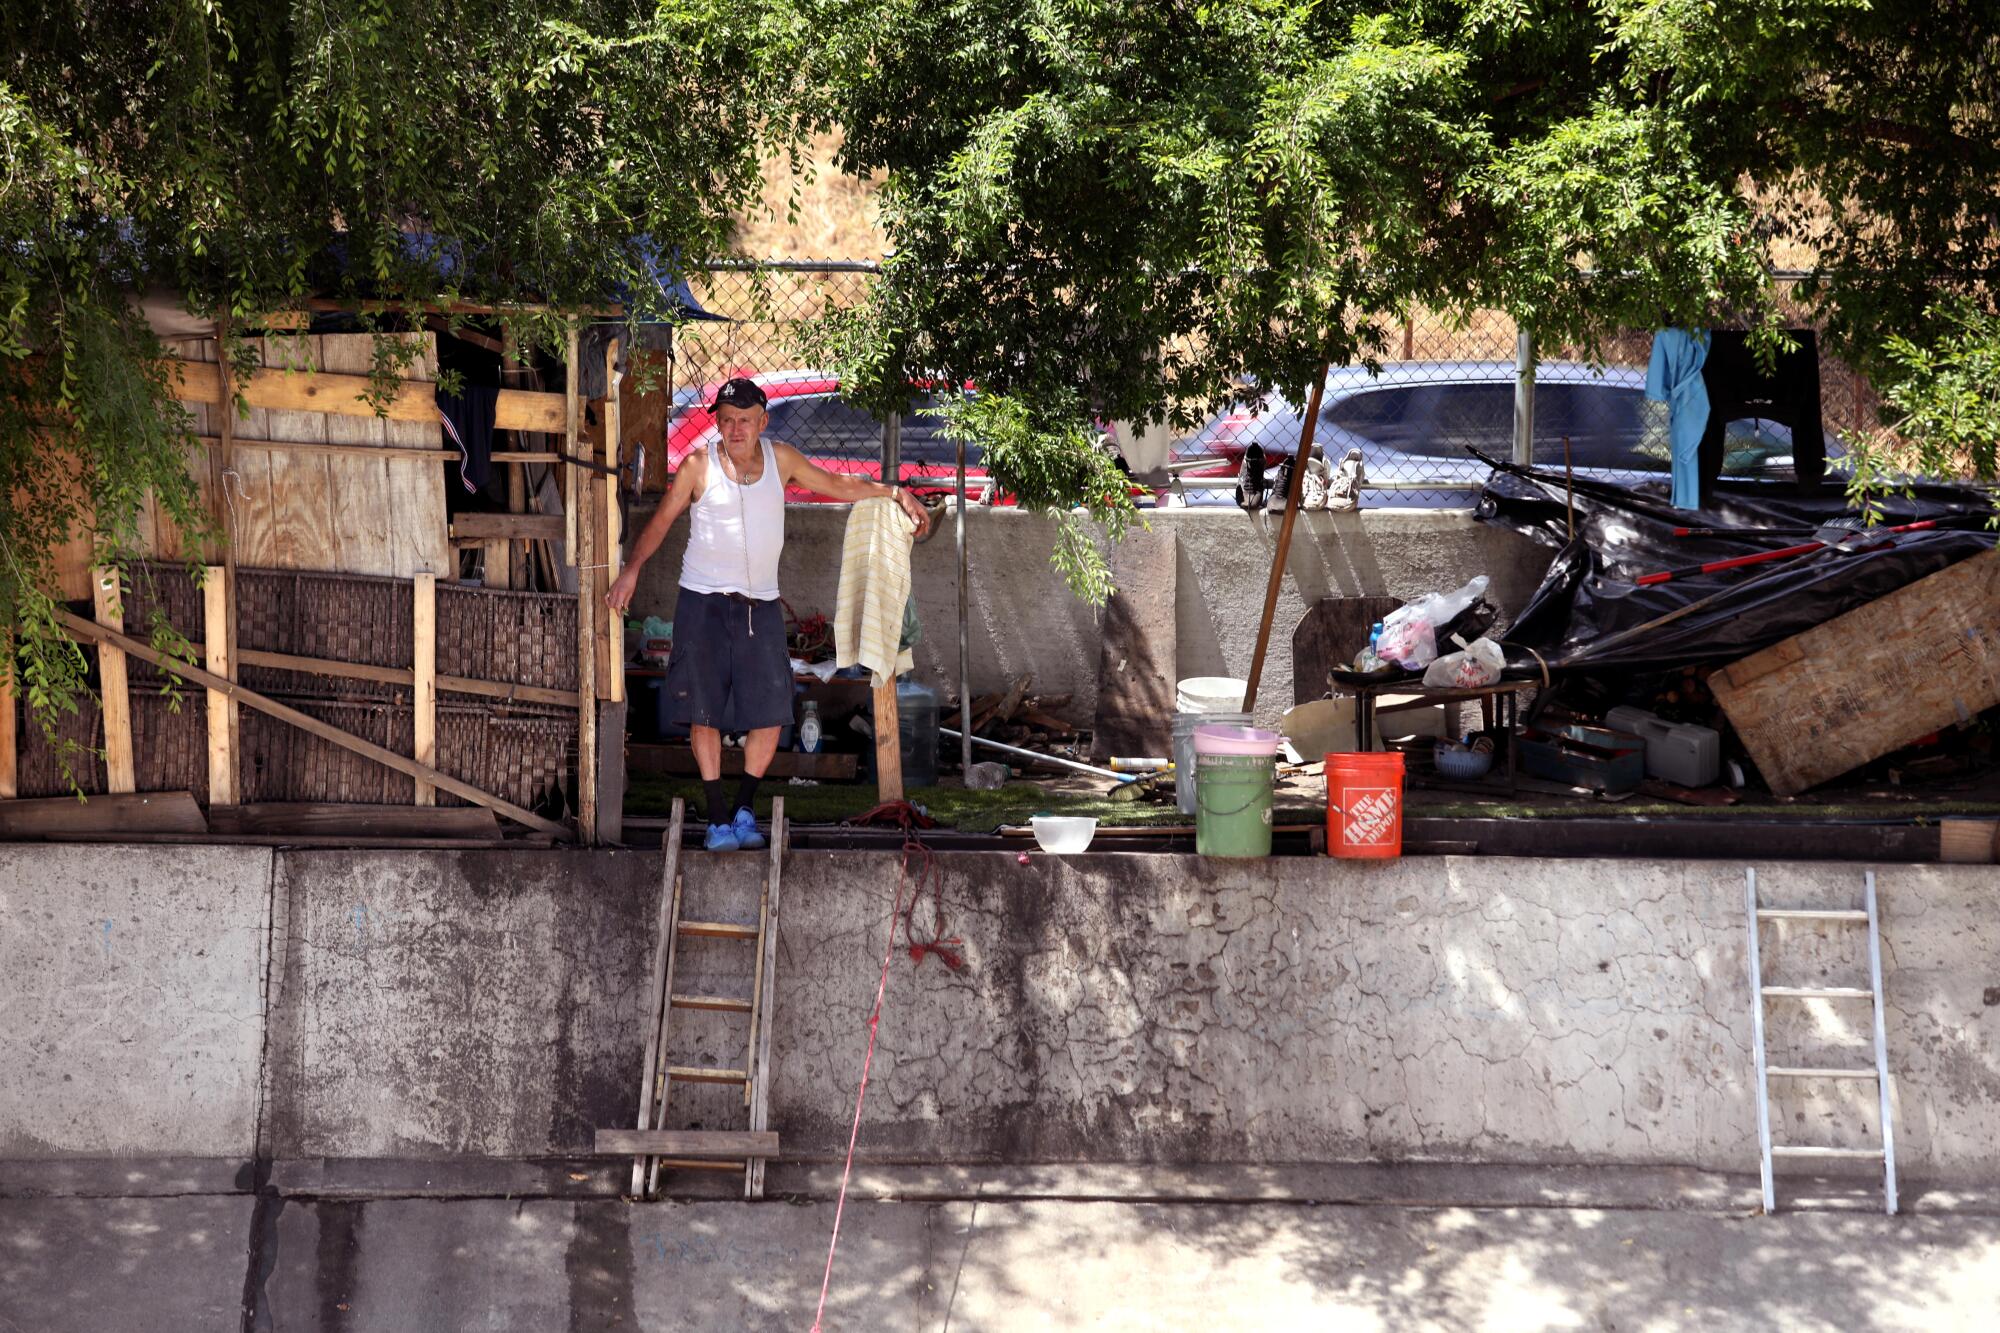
1235,740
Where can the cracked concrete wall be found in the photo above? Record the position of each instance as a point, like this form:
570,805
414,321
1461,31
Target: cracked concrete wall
433,1004
1024,620
131,1000
1112,1008
1137,1008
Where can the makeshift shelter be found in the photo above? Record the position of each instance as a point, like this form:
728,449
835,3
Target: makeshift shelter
348,680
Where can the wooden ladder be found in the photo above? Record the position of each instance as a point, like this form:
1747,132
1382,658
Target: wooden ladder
653,1146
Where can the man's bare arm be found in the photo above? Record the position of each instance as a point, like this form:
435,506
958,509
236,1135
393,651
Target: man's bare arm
797,470
681,494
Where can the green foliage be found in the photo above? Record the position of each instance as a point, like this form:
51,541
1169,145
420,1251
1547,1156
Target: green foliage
246,157
1053,466
1164,203
1942,399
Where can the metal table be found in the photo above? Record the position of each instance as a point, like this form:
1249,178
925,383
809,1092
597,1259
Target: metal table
1499,704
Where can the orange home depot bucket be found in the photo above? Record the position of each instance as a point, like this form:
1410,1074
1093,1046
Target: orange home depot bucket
1364,805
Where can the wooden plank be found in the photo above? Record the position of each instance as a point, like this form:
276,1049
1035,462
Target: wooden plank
1969,841
764,998
424,693
572,480
132,812
85,630
222,722
109,601
581,555
666,944
346,395
611,772
504,527
490,689
324,818
9,722
710,1144
1329,634
388,503
1843,693
614,456
678,761
888,745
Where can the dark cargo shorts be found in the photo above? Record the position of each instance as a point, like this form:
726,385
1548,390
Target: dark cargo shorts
730,668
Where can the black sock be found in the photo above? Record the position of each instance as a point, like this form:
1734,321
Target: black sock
746,793
717,812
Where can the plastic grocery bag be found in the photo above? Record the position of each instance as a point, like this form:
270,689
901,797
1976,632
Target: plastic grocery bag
1479,665
1409,633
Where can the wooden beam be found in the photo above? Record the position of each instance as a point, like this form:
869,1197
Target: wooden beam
119,774
221,712
572,425
678,761
507,527
888,745
489,689
346,395
330,818
705,1144
9,722
1277,581
424,699
578,509
85,630
614,458
133,812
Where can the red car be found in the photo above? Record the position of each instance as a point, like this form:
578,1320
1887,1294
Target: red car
808,413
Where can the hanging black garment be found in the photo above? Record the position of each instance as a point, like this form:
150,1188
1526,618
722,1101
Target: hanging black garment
468,425
1738,389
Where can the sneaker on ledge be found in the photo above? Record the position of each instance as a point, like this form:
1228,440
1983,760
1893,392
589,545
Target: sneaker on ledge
722,838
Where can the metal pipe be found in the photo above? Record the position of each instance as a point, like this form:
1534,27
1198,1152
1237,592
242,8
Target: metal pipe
1044,758
964,632
1524,397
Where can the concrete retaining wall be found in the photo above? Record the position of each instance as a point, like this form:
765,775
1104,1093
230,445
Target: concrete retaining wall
1024,621
1111,1008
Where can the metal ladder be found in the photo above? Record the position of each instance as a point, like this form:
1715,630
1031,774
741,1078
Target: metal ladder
709,1151
1766,1072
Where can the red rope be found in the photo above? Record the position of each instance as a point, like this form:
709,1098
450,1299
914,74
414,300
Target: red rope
874,1021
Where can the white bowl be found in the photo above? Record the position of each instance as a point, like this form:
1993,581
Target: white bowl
1062,834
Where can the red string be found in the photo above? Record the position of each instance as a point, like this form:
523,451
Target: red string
874,1021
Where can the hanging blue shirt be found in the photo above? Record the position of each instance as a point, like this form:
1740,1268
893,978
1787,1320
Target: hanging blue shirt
1673,377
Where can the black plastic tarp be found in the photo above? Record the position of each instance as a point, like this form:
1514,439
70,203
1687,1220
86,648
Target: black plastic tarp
1580,616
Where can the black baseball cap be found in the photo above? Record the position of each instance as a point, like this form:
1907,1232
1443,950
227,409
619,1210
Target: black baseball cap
739,392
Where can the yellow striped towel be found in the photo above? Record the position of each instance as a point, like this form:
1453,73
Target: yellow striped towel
874,585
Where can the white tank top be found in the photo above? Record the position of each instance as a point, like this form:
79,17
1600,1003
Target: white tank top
736,532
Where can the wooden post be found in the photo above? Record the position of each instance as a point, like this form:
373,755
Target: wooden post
117,696
221,709
581,529
424,664
614,458
572,422
225,515
9,782
1299,461
888,745
521,555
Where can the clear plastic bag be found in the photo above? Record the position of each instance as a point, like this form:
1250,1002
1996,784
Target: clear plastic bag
1477,666
1409,633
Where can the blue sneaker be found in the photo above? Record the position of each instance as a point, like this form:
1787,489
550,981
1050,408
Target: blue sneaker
745,829
722,838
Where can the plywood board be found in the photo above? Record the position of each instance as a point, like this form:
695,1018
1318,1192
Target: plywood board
1824,702
1330,633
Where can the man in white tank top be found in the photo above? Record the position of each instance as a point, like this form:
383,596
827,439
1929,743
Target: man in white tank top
730,670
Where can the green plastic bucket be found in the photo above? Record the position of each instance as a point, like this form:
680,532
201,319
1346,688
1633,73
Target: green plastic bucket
1232,815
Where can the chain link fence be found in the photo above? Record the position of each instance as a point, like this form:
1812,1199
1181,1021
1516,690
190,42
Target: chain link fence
1439,390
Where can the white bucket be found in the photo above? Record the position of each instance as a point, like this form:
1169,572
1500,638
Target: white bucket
1184,728
1210,694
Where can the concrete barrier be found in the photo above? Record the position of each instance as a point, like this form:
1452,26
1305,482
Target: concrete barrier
131,1000
1112,1008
